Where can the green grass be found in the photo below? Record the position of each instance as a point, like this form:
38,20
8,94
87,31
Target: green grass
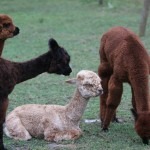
78,26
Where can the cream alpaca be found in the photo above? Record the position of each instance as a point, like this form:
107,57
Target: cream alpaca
54,122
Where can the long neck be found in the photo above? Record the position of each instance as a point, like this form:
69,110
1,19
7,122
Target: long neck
32,68
1,46
76,107
140,87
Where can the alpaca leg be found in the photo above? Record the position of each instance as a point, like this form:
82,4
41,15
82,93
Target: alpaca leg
49,136
105,72
61,135
3,109
114,97
103,98
133,100
49,131
68,135
14,129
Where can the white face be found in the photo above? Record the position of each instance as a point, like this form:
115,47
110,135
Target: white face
89,84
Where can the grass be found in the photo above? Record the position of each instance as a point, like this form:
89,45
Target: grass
78,26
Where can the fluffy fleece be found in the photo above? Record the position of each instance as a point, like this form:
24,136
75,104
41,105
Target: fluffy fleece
54,122
123,58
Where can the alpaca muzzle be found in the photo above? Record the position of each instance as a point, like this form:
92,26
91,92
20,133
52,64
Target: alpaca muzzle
66,71
16,32
60,71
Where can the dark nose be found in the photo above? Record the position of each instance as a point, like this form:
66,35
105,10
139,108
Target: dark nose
100,91
67,71
70,70
17,30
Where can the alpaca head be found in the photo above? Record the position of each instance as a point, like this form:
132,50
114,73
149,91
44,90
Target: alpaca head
7,28
142,125
88,83
60,59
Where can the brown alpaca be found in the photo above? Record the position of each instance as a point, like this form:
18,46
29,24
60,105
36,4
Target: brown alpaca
7,30
123,58
56,60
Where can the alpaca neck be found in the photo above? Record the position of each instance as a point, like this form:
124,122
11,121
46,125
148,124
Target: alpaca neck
32,68
1,46
76,107
141,93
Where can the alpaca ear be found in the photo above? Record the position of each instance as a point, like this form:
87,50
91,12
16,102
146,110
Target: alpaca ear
134,113
71,81
53,45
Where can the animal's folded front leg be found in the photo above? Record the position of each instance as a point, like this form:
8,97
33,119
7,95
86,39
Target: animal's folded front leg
64,135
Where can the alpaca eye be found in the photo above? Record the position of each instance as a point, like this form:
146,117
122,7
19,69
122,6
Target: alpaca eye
6,25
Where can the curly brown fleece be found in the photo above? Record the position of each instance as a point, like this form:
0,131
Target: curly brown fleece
123,58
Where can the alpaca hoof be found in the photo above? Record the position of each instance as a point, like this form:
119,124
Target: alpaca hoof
105,129
145,141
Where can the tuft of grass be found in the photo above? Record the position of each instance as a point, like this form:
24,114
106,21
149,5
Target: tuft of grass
77,26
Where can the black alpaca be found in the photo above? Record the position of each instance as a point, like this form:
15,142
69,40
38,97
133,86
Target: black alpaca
56,60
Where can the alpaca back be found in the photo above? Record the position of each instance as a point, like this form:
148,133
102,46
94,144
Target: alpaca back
124,52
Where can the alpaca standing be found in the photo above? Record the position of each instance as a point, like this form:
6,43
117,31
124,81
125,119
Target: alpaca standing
7,30
54,122
123,58
56,60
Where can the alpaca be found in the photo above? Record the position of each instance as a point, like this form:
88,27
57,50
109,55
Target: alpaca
7,30
56,60
54,122
123,58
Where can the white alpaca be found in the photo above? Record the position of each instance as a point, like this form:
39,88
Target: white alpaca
54,122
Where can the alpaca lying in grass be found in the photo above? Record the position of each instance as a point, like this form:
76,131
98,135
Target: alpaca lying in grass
56,60
123,58
7,30
54,122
